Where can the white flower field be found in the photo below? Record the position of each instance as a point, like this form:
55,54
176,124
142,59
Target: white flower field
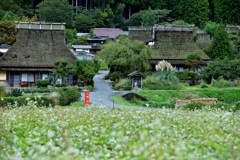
120,133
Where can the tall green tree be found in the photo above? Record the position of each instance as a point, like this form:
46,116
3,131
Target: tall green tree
149,18
126,56
84,23
195,12
227,10
221,46
62,69
56,11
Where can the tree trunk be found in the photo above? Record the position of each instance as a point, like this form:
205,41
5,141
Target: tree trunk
76,6
129,11
86,4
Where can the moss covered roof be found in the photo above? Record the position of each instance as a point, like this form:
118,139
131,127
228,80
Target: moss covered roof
175,45
37,48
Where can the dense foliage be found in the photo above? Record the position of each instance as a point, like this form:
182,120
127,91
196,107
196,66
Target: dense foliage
123,133
56,11
228,69
126,56
85,70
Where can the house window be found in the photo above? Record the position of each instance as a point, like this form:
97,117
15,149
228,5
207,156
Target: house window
27,77
69,79
180,68
24,77
44,75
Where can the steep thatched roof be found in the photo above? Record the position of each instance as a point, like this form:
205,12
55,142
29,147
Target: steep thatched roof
36,48
140,33
175,45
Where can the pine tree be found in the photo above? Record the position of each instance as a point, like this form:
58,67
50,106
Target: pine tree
221,46
195,12
227,10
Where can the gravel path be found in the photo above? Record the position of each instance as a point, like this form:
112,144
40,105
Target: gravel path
103,91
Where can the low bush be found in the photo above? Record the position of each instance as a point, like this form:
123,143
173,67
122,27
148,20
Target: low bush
15,92
122,84
89,88
203,85
68,95
187,75
151,85
194,106
116,76
237,107
21,101
214,83
43,83
128,88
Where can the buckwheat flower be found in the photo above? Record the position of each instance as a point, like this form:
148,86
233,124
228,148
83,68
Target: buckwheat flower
50,134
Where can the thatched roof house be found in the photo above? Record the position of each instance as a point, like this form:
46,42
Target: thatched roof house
37,47
172,44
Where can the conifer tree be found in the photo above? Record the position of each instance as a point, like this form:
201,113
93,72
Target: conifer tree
221,46
195,12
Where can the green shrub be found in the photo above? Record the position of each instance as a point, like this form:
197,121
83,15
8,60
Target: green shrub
116,76
68,95
194,106
89,88
236,107
222,83
214,83
43,83
122,84
150,84
187,75
128,88
203,85
16,92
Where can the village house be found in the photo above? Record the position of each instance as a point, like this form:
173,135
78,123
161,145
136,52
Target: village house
169,43
107,32
82,52
95,43
38,46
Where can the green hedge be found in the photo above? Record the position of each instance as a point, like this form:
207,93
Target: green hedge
21,101
68,95
187,75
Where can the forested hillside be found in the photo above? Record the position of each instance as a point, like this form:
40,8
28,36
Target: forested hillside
116,13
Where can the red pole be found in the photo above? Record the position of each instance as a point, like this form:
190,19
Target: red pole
86,97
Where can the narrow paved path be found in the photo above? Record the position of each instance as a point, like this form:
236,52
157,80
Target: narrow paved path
103,91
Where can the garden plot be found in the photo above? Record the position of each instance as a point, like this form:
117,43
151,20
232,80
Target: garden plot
120,133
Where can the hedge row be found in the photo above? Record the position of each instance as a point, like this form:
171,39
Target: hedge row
21,101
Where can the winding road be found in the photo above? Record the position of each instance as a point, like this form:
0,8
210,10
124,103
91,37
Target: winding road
103,91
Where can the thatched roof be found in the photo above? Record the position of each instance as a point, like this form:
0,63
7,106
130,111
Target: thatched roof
136,73
140,33
36,48
175,45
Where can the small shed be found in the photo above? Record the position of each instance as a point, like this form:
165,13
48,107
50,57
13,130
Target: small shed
136,79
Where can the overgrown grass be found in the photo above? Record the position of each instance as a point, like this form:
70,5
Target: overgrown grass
160,97
120,133
122,101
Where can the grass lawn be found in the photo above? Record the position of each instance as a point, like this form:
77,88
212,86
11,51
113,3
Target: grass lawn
158,97
122,101
120,133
